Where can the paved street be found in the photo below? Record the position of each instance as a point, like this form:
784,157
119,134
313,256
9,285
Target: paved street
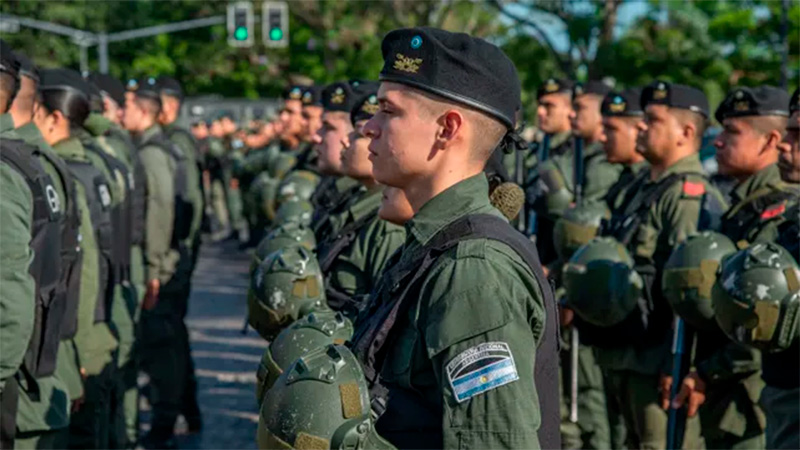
225,360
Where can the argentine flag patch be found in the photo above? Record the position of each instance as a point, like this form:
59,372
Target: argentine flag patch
481,368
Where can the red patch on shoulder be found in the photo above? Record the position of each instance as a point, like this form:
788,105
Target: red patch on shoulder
693,189
773,211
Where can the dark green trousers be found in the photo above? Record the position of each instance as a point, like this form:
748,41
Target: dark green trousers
91,426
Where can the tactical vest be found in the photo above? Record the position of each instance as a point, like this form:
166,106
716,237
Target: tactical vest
183,204
753,213
174,131
328,251
71,256
121,215
98,199
40,356
137,181
653,317
397,293
340,202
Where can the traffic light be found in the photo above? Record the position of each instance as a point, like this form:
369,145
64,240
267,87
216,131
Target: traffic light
240,24
275,24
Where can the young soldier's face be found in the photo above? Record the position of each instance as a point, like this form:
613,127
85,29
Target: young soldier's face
586,119
133,114
657,133
292,118
553,113
620,139
403,137
789,158
355,158
312,122
738,148
333,139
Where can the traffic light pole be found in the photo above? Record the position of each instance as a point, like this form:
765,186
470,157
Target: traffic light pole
86,39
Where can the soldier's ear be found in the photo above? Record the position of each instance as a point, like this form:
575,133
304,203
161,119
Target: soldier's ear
451,128
774,138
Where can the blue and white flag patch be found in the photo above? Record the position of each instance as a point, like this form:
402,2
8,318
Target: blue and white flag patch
481,368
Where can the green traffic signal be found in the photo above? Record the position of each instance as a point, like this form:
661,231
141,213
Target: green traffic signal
275,34
240,34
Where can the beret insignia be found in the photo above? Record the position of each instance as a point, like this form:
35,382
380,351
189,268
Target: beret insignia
338,96
406,64
741,106
133,85
371,105
551,85
660,92
307,97
739,94
578,89
416,42
295,94
618,105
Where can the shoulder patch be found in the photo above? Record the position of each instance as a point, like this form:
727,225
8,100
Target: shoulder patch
480,369
693,188
773,211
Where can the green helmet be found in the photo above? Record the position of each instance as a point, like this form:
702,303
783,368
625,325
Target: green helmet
299,211
757,296
299,184
281,165
262,191
690,273
601,285
285,287
320,402
577,227
557,193
318,329
282,236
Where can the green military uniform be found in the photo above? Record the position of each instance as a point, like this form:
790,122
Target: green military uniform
215,161
234,158
436,333
354,272
333,201
94,341
17,298
46,420
633,371
750,199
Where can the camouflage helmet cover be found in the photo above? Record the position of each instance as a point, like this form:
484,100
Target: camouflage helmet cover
577,227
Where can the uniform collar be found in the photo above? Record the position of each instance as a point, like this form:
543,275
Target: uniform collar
71,149
369,201
638,167
461,199
6,123
30,133
559,138
345,183
97,124
150,134
687,164
769,176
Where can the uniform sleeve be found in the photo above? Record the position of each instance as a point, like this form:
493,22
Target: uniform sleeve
388,239
600,176
17,292
193,175
484,323
159,261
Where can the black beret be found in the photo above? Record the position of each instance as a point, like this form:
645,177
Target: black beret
170,86
145,87
455,66
27,67
294,92
109,85
759,101
64,80
794,104
366,105
590,87
554,86
312,96
675,96
8,60
339,96
622,104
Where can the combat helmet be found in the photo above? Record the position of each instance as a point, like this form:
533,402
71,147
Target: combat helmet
756,297
318,329
554,192
601,285
299,211
577,227
262,191
286,286
689,275
320,402
299,184
282,236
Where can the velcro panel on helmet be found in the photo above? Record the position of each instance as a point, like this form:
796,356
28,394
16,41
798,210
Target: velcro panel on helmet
769,313
701,278
789,323
305,441
351,400
791,279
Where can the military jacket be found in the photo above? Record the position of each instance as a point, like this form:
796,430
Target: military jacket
160,259
669,220
479,297
94,341
186,143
